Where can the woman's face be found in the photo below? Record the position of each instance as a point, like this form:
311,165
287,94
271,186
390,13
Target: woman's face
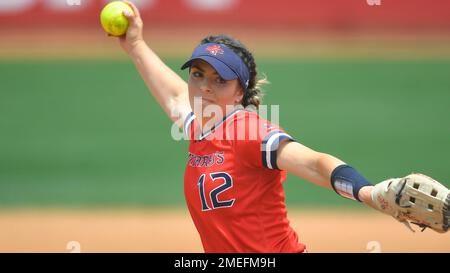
214,91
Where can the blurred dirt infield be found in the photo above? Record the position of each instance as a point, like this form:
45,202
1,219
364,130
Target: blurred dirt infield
178,42
171,230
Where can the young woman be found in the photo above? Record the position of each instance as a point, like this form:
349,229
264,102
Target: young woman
237,160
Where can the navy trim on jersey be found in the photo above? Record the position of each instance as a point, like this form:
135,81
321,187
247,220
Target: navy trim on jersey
202,136
269,148
191,116
187,122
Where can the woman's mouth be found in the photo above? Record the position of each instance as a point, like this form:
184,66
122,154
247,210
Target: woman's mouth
207,100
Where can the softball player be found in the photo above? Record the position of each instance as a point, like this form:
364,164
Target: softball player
233,181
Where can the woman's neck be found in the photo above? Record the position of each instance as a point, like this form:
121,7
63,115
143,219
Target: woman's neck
213,119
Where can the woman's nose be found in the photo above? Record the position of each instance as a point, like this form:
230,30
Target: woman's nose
205,86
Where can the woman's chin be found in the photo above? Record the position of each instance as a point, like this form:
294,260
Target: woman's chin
210,106
210,110
207,101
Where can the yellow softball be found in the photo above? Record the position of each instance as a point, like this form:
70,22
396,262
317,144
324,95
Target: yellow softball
112,19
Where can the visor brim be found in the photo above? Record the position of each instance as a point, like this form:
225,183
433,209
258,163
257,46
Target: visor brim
221,68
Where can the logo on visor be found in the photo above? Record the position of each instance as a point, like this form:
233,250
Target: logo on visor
214,50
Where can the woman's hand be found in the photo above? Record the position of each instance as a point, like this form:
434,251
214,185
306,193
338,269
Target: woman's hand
133,37
365,195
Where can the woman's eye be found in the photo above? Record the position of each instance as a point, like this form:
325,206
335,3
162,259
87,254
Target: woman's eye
196,74
221,81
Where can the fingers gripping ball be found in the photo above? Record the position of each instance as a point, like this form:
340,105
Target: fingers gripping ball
416,199
112,19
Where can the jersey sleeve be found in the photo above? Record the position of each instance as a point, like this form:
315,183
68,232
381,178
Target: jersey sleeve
262,150
269,147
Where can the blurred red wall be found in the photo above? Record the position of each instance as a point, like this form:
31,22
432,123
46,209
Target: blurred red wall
298,14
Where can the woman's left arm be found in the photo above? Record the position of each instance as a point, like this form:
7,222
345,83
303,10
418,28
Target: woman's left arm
313,166
395,196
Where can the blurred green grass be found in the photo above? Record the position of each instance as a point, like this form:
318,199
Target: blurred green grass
87,133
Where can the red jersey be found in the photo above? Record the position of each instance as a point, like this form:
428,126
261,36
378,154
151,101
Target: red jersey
233,187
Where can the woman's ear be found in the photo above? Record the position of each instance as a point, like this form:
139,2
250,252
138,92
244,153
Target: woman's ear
239,95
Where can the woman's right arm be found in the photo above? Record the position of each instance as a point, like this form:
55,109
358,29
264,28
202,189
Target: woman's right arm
315,167
169,90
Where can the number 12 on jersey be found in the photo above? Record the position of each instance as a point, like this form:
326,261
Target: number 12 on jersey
216,204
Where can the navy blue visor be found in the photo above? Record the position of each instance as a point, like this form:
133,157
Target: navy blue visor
227,63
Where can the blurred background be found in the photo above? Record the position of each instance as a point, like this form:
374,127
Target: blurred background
87,162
